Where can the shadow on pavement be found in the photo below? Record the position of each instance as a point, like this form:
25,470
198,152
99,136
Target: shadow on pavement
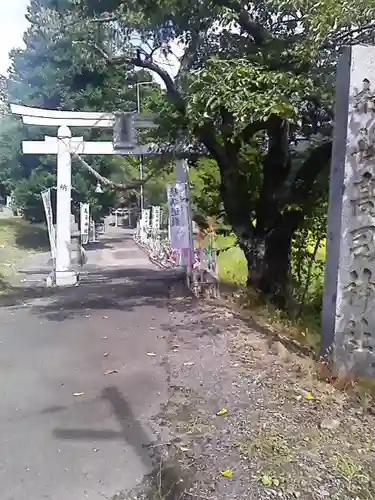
104,289
130,431
104,242
167,480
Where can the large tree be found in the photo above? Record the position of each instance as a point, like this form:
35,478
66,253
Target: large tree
54,76
255,78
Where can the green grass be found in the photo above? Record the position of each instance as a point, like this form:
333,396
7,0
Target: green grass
18,239
302,324
232,262
321,255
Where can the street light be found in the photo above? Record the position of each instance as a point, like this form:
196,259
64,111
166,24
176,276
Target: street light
141,164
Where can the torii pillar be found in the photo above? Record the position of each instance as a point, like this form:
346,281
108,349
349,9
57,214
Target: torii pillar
64,276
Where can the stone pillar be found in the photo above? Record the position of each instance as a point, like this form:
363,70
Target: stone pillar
349,302
182,171
64,276
182,175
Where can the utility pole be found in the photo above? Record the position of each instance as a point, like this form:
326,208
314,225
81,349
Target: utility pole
141,165
141,158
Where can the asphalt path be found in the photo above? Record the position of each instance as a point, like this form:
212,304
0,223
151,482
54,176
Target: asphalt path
82,379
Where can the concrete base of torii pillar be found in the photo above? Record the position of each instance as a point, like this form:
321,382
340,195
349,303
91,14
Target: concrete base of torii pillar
66,278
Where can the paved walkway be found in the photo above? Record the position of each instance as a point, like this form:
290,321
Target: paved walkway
70,427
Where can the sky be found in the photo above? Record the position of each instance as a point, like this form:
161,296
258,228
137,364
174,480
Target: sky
12,26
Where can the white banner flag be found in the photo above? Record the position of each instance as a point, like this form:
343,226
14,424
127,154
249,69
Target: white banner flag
146,217
84,222
179,216
155,221
47,203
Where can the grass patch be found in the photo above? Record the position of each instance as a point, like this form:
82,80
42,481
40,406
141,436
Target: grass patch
302,325
306,460
232,262
18,239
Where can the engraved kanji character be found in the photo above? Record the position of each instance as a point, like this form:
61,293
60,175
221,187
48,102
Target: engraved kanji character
360,291
364,100
365,148
357,335
364,202
363,242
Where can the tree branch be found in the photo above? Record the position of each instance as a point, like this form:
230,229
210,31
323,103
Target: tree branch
207,137
187,60
108,182
308,173
146,63
250,130
349,37
258,33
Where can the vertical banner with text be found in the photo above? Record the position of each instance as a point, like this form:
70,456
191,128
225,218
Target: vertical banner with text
179,216
144,224
155,221
47,203
84,222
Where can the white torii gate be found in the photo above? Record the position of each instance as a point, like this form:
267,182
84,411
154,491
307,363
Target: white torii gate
64,146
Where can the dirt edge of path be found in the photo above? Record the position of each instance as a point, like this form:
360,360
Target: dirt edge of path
249,419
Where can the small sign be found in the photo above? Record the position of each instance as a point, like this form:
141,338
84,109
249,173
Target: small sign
85,222
124,135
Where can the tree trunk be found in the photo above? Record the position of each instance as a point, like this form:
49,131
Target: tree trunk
269,264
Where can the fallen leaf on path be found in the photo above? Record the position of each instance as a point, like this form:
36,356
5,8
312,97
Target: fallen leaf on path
309,396
266,480
78,394
110,372
150,354
227,473
222,413
270,481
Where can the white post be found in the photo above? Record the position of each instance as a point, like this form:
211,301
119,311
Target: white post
64,276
